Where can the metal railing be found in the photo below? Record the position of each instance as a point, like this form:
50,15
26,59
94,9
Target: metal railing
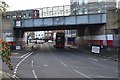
54,11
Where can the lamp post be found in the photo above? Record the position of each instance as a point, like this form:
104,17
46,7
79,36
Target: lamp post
27,37
0,23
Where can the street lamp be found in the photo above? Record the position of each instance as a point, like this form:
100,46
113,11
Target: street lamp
27,37
0,23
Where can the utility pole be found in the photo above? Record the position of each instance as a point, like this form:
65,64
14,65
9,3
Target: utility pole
0,20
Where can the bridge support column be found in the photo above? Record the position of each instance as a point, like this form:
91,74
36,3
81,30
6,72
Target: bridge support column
18,36
80,37
80,32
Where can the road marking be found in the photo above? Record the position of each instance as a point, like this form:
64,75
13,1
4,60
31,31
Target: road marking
83,74
94,59
32,63
38,66
98,76
15,53
63,63
35,56
15,70
105,59
25,55
15,57
45,65
20,56
34,74
103,76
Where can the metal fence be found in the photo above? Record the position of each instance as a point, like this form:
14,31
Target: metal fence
54,11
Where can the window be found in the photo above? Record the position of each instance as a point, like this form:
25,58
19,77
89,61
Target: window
13,16
24,15
8,16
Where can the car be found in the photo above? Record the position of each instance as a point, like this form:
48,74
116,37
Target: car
50,41
40,41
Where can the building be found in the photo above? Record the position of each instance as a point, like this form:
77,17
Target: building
74,6
40,12
91,6
39,35
6,30
106,34
50,35
119,4
23,14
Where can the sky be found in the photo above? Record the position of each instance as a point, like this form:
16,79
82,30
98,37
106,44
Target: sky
31,4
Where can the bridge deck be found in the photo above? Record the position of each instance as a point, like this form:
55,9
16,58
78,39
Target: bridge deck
98,18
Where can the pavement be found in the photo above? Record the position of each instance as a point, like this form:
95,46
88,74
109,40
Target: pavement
5,75
8,75
104,53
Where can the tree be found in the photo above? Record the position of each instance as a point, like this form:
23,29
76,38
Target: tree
4,47
3,8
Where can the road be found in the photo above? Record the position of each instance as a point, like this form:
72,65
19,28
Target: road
50,62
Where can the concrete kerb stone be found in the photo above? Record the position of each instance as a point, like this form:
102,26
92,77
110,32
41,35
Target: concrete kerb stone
5,75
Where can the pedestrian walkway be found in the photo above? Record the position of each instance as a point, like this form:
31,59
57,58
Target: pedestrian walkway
5,75
103,53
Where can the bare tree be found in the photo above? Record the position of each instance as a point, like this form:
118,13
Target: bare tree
3,8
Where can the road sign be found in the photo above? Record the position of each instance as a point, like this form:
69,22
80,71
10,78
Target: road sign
17,47
95,49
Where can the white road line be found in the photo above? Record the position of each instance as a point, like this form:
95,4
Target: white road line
15,53
103,76
94,59
25,55
63,63
15,70
35,56
32,63
105,59
15,57
98,76
45,65
83,74
34,74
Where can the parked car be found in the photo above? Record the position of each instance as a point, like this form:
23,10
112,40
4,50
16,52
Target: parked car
40,41
50,41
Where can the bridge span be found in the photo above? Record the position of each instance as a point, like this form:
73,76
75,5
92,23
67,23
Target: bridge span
74,20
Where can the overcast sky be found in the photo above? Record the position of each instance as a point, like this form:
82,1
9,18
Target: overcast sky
31,4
